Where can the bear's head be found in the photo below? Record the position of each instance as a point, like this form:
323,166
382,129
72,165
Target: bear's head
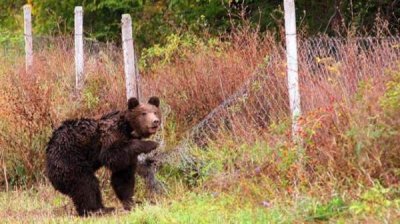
143,118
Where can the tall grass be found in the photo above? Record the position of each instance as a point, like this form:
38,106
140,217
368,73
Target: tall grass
350,126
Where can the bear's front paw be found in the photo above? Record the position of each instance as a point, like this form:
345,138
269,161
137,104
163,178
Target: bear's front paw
140,146
149,146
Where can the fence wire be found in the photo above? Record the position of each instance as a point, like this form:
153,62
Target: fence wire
330,69
15,47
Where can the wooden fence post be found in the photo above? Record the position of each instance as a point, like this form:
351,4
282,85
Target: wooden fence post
28,38
130,68
292,64
79,64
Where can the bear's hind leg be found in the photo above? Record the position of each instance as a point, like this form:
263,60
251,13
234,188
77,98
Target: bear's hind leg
87,196
123,183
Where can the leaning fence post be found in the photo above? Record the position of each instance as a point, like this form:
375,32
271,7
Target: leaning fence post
78,22
28,37
132,87
292,65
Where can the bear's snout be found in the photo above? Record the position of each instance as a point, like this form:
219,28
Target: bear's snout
156,122
154,125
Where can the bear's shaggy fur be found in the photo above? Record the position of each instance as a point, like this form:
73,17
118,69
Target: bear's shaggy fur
80,147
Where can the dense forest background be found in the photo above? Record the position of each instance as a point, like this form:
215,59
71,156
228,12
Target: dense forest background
155,20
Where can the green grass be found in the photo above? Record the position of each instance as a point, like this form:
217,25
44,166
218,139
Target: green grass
43,205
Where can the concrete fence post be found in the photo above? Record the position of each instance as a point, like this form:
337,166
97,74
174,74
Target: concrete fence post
79,64
130,67
292,64
28,37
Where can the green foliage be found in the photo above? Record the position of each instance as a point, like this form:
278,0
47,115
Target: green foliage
375,201
155,21
11,15
391,100
158,55
347,17
176,47
91,93
321,211
11,38
54,17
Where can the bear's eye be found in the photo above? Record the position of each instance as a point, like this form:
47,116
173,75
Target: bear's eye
143,113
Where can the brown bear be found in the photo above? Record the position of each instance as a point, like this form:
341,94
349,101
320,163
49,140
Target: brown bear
80,147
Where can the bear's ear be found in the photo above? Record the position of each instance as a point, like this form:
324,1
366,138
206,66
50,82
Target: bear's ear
154,101
132,103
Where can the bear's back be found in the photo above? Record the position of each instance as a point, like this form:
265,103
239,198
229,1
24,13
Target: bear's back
113,130
73,142
78,132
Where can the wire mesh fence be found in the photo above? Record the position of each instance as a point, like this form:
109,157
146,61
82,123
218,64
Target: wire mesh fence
330,70
15,46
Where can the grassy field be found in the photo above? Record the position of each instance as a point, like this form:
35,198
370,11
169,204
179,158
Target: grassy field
233,186
248,200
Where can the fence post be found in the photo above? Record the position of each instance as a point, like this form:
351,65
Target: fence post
131,78
137,76
78,23
292,64
28,37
